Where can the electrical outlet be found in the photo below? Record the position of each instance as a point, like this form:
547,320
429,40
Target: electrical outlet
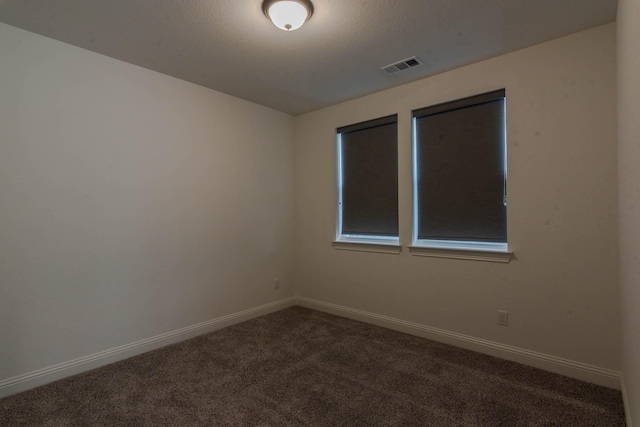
503,318
276,284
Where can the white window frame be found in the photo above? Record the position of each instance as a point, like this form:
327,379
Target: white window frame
387,244
486,251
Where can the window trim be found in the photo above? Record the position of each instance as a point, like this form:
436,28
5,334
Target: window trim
367,246
367,243
486,251
462,253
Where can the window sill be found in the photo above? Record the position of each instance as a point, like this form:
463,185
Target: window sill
458,253
367,246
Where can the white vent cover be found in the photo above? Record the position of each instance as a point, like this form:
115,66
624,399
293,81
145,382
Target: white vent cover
405,64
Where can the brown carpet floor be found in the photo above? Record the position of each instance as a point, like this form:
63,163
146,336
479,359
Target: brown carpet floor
300,367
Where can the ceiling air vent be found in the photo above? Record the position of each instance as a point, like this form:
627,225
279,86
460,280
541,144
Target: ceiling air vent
405,64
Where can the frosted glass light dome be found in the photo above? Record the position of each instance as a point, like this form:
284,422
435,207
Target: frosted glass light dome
288,15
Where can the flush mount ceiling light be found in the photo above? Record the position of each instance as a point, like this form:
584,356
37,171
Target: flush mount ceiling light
288,15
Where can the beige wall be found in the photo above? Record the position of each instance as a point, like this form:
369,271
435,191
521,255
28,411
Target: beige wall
131,203
135,204
562,291
629,164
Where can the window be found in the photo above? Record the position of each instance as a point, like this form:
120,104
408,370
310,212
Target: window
367,156
459,159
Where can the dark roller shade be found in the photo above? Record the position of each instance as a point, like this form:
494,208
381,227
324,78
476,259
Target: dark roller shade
370,178
461,170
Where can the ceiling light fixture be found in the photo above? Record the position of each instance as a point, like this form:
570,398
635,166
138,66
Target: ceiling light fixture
288,15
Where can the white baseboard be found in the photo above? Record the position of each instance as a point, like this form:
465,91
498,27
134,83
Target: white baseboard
39,377
625,401
569,368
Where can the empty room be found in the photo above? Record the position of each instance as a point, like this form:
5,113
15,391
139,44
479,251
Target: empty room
320,212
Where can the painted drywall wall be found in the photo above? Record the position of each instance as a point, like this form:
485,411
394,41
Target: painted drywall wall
132,204
629,177
562,290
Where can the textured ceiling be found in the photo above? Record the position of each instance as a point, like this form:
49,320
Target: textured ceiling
230,46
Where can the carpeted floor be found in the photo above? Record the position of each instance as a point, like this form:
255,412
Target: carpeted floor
300,367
